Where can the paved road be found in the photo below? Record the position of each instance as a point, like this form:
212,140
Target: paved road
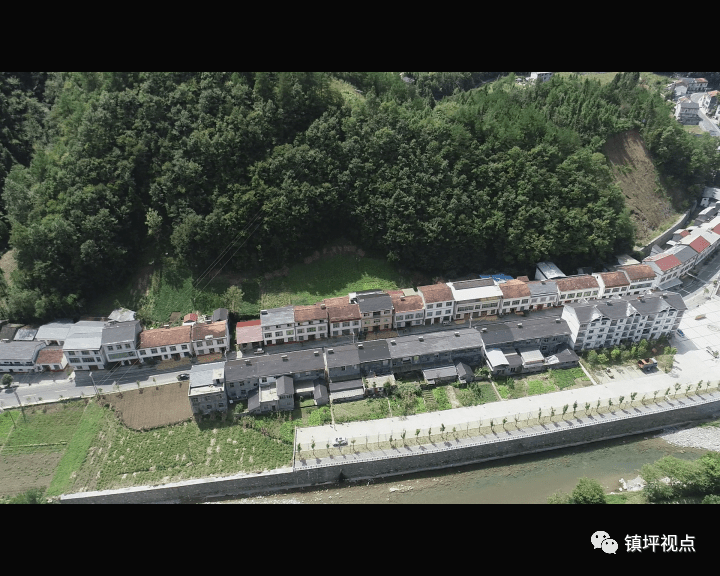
706,123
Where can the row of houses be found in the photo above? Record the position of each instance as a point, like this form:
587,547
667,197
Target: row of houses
94,345
687,86
271,382
377,310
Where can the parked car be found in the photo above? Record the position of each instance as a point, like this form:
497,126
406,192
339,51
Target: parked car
183,376
340,442
681,333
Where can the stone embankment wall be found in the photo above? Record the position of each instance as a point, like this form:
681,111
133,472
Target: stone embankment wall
503,445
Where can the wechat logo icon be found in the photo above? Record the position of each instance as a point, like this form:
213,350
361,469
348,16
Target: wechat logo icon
602,540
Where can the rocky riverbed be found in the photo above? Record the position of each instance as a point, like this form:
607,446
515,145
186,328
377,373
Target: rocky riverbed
707,437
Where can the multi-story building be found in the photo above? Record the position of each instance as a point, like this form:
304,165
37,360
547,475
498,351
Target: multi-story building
50,359
165,343
210,337
408,308
311,322
516,296
612,283
688,257
206,391
605,323
476,298
540,76
375,308
20,356
83,345
574,288
344,317
278,325
695,84
687,111
543,294
642,278
439,303
120,341
248,336
667,269
435,350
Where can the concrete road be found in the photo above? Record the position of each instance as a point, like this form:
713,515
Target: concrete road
706,123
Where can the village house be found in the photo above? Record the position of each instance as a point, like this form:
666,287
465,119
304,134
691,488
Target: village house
686,254
548,271
612,283
708,101
686,111
120,341
540,76
26,334
50,359
311,322
54,333
20,357
695,84
607,323
210,337
527,346
543,294
344,318
705,242
516,296
439,303
573,288
8,331
278,325
667,268
83,345
642,278
408,308
375,309
165,343
248,336
206,391
190,319
436,350
476,298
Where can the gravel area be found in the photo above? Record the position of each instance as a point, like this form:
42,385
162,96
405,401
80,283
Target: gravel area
707,437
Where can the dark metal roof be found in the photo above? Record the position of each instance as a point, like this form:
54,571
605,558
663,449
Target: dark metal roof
284,385
374,302
345,385
465,284
342,355
274,365
219,314
121,332
373,351
254,400
320,393
435,342
509,332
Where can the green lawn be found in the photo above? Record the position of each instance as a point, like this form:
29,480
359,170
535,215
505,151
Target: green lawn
44,431
366,409
442,398
6,424
475,394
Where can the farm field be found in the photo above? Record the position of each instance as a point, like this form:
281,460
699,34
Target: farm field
148,408
475,394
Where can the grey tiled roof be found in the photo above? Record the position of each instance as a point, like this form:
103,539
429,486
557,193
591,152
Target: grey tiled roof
121,332
435,342
374,302
509,332
276,316
342,355
374,350
274,365
20,351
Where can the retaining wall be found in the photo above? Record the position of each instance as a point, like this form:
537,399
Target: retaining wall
503,445
668,234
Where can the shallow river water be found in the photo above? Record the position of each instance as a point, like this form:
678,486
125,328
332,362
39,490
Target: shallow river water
518,480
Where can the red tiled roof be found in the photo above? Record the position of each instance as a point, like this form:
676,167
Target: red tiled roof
639,272
403,303
716,229
340,310
684,233
51,355
576,283
165,336
308,313
192,317
614,279
214,329
514,289
665,262
436,293
248,332
699,244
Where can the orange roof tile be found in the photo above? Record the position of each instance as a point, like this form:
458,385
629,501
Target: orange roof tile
165,336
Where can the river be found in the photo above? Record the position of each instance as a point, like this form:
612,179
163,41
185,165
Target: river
518,480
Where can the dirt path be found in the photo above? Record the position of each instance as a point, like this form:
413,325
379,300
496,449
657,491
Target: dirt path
454,402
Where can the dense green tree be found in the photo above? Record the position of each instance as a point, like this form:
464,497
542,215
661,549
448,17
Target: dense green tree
588,491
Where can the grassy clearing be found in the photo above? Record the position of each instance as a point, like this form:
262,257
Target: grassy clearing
366,409
694,129
535,387
476,394
442,398
44,429
541,383
650,79
347,90
6,424
568,377
77,449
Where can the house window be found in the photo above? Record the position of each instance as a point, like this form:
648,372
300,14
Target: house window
163,349
110,348
173,348
142,352
127,345
268,335
184,347
153,350
195,400
278,334
301,330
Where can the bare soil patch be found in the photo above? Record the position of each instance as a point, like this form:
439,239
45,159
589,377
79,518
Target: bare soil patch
21,472
151,407
653,207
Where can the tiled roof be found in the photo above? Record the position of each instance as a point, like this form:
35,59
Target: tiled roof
614,279
684,233
638,272
248,332
515,289
51,355
192,317
340,310
523,279
165,336
576,283
214,329
436,293
403,303
308,313
664,261
699,244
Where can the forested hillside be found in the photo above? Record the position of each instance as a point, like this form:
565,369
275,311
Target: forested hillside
270,165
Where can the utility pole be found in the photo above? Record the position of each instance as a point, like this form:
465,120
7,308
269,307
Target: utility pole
20,404
93,383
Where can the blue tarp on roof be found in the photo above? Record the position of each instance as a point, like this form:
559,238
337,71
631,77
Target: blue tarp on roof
496,277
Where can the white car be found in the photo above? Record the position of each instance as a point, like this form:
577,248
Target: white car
340,442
